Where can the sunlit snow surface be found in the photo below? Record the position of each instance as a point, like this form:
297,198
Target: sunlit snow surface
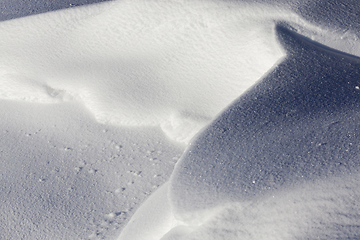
298,126
99,82
299,123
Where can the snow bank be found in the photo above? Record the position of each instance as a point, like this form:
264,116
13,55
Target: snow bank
171,63
282,161
299,123
178,64
326,209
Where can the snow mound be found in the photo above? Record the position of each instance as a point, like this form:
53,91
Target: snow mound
281,162
298,124
327,209
322,209
169,63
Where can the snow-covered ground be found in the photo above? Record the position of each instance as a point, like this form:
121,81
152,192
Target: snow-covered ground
248,125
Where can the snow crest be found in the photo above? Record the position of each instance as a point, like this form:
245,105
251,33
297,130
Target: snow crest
282,161
170,63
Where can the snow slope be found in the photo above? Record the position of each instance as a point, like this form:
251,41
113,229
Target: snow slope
109,57
65,176
299,123
87,94
281,162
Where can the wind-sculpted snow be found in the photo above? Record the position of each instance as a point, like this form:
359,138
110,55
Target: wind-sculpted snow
282,162
139,62
299,125
171,63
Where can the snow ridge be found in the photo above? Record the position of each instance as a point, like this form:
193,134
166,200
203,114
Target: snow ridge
281,162
135,63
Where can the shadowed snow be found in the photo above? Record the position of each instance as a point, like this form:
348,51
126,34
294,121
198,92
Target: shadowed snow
264,168
282,161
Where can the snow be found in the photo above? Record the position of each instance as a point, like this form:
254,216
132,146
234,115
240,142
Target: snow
175,48
154,218
323,210
281,162
99,102
64,176
299,123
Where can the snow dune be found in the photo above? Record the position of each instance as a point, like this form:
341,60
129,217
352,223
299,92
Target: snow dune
170,63
267,165
299,123
281,162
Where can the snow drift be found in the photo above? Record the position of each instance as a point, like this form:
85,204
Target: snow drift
171,63
298,124
269,166
282,162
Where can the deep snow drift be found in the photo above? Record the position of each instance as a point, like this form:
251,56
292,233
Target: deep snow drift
282,162
170,63
144,68
141,62
298,124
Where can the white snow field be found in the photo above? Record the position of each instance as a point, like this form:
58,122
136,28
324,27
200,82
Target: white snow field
258,99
